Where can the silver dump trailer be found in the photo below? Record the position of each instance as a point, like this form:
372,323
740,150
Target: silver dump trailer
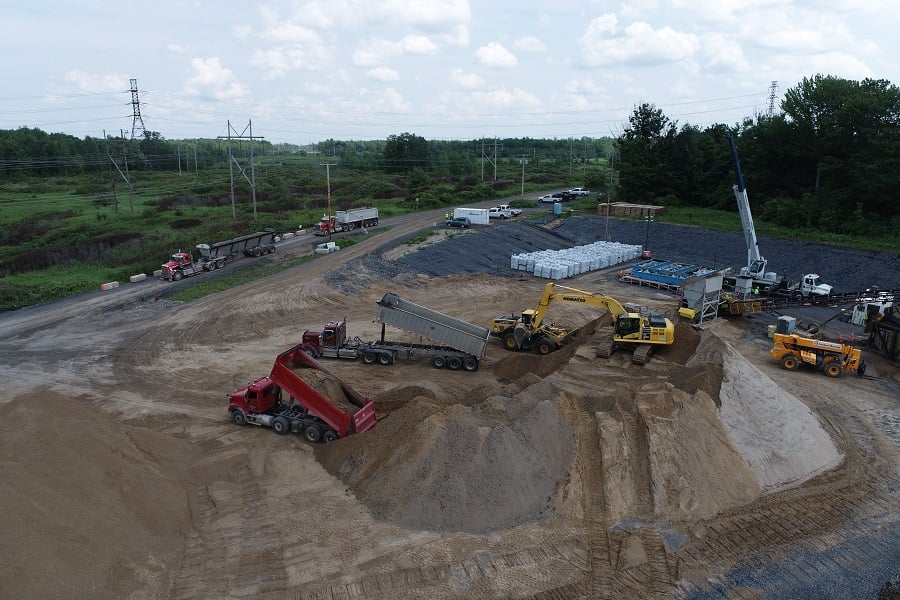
458,344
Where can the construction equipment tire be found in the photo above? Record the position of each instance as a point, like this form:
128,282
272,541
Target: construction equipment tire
790,362
438,362
313,434
470,364
833,368
177,276
369,358
237,415
509,341
329,436
454,362
385,359
545,346
281,426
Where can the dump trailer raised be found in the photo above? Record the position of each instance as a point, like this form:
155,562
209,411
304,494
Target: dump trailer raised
457,344
317,416
434,325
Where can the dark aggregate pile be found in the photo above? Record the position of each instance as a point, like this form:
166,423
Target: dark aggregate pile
489,251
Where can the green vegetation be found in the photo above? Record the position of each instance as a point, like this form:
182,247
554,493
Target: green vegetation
824,171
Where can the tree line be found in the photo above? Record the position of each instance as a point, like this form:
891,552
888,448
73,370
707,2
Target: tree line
827,161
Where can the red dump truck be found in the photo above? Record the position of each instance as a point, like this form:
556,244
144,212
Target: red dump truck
347,220
317,416
214,255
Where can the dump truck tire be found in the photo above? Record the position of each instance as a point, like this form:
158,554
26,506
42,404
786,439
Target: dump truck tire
454,363
280,425
438,362
329,436
238,417
313,434
470,364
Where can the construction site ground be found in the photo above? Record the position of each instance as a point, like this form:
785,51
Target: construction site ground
710,472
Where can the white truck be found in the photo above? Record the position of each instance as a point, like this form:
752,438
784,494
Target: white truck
476,216
496,212
347,220
579,191
513,212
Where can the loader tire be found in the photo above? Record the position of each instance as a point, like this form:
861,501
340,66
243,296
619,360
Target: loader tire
790,362
545,346
833,368
509,341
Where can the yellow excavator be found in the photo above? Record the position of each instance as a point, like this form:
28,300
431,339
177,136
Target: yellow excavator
636,331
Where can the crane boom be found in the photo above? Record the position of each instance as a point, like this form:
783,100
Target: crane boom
756,264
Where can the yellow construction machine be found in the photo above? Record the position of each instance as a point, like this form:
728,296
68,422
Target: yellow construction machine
833,358
638,331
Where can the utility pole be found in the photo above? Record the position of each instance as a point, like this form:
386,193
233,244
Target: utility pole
328,187
524,162
232,161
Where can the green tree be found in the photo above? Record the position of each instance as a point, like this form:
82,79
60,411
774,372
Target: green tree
644,155
405,152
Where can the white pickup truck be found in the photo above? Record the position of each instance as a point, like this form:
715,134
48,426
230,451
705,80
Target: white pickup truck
513,212
579,191
495,212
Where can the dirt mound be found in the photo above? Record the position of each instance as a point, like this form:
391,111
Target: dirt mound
459,468
103,503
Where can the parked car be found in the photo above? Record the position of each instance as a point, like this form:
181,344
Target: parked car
496,212
562,196
513,212
459,222
547,199
579,191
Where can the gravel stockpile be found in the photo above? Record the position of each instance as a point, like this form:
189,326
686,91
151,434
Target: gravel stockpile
489,251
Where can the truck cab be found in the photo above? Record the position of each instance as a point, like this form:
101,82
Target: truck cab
812,285
178,262
331,342
255,398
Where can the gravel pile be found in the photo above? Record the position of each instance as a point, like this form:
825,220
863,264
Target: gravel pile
489,251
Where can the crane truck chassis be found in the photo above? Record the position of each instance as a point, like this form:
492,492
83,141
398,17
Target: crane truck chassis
634,331
316,416
833,358
460,345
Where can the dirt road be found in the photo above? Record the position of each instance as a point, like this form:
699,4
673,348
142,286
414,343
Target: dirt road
708,472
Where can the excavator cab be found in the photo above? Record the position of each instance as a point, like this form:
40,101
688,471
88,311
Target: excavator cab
628,325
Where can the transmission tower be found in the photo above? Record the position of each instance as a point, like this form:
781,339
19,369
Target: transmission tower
137,124
773,89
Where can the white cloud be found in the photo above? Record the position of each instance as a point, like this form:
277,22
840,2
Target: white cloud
462,80
721,53
383,74
416,44
530,44
496,56
209,78
421,13
638,44
95,82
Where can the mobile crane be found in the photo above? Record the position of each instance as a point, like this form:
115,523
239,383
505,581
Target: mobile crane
768,283
638,332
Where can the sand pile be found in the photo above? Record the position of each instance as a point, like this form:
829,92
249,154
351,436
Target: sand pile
103,503
449,467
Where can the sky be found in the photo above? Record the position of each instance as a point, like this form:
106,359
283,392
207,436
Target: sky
299,72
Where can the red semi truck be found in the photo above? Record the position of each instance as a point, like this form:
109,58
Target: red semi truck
214,255
307,411
347,220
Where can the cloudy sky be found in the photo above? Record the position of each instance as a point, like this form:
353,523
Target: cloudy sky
307,70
